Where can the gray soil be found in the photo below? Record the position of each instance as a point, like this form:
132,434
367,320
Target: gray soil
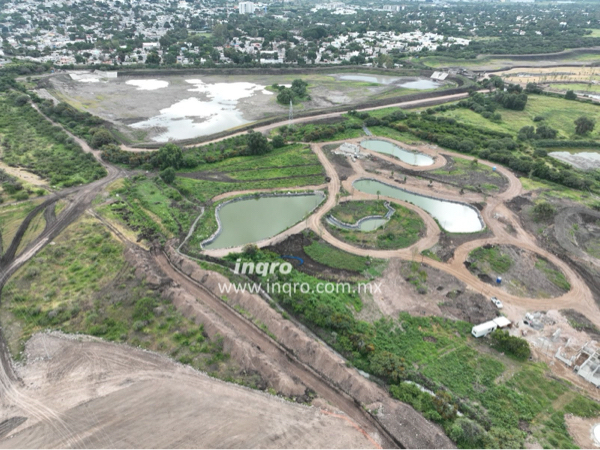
340,162
524,278
445,296
102,395
122,104
554,235
449,242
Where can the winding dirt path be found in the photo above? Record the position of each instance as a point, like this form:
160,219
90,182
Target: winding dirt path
579,297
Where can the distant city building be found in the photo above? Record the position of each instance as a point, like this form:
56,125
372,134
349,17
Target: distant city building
246,8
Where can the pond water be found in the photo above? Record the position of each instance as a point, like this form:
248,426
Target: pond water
379,79
413,158
581,160
214,110
420,84
148,85
453,217
254,219
371,224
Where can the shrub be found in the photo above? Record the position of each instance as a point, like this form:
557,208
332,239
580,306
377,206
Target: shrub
513,345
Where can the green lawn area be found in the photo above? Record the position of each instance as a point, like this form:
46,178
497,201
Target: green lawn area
402,230
333,257
558,113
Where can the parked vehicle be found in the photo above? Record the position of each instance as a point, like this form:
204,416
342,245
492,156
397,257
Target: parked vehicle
497,302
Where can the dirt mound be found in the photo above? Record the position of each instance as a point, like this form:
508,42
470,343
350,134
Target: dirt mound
104,395
577,230
523,273
408,426
444,295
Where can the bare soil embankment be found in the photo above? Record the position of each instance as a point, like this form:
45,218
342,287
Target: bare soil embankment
114,396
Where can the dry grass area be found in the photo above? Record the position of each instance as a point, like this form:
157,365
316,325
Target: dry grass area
552,75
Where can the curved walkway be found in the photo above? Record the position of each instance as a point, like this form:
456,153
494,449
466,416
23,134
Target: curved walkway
579,297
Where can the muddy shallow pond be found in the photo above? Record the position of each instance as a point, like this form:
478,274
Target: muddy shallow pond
407,156
254,219
214,110
453,217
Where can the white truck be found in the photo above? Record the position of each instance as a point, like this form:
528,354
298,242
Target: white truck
486,328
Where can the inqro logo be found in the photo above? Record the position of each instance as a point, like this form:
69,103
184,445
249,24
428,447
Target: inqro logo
264,268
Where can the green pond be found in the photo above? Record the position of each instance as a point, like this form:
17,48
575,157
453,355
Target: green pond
254,219
453,217
407,156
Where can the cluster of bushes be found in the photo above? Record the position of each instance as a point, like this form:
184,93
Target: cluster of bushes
540,132
446,130
317,132
32,142
171,155
292,94
513,345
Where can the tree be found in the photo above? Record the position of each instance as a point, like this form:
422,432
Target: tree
278,141
153,59
257,144
543,210
516,346
299,88
285,96
570,95
168,155
168,175
584,125
101,138
388,365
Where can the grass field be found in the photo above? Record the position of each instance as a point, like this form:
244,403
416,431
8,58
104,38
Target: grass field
82,284
557,113
402,230
11,217
333,257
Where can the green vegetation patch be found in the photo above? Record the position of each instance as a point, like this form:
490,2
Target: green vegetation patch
333,257
403,229
31,142
491,256
556,277
82,284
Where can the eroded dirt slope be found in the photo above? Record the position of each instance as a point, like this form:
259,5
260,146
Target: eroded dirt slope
113,396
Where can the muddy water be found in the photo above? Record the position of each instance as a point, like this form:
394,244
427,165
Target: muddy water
453,217
252,220
371,224
412,158
420,84
213,110
148,85
379,79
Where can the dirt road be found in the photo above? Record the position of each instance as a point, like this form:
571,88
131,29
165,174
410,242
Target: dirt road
286,361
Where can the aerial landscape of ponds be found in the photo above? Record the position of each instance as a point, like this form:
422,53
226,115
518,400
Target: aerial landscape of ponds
214,110
453,217
252,219
407,156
